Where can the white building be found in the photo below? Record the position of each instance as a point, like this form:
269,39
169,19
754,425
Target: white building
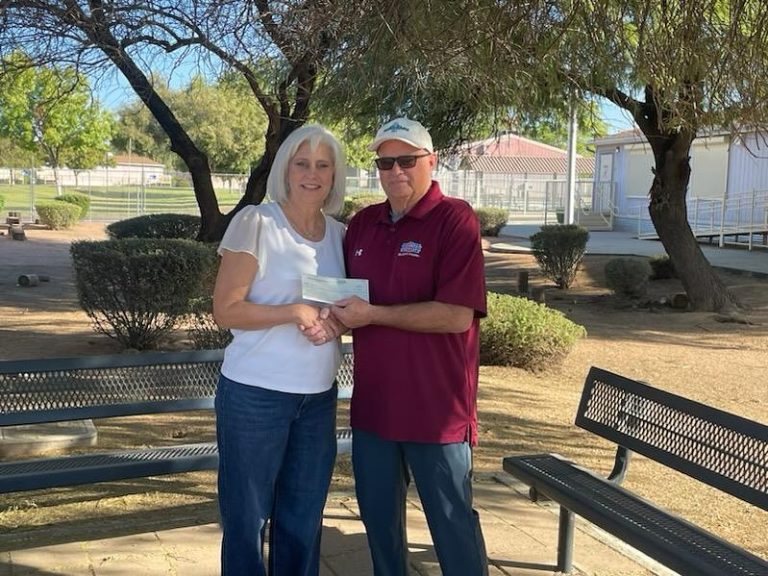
727,190
124,170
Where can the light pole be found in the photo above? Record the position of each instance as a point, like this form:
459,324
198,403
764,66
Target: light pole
570,196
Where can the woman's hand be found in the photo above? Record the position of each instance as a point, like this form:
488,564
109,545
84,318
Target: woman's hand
327,328
305,316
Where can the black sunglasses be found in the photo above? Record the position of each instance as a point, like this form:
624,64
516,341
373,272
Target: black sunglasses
405,162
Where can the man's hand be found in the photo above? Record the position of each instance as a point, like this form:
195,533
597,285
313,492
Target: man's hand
431,316
353,312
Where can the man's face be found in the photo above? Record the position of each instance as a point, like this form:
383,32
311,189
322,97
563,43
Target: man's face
405,186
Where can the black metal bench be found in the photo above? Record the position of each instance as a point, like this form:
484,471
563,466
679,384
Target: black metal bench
718,448
92,387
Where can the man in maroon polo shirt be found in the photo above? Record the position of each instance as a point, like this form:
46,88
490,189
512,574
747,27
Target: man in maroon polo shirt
416,344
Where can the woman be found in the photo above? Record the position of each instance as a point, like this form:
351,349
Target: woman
276,399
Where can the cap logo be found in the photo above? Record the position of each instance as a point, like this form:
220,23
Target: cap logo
395,128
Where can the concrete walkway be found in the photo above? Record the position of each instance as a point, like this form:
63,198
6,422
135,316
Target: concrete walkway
515,238
520,536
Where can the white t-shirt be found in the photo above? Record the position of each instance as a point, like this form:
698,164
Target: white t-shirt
281,358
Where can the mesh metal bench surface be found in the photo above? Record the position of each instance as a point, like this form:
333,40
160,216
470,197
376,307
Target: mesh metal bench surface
718,448
55,390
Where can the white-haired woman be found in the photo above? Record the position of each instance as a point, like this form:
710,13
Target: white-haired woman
276,399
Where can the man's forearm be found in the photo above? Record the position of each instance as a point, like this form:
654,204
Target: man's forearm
424,317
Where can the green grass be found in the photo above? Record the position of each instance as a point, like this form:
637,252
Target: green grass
112,203
115,202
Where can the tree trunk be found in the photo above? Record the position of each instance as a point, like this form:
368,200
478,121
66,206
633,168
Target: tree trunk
57,179
283,118
669,214
181,144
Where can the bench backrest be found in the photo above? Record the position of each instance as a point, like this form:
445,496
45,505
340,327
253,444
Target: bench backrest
58,389
716,447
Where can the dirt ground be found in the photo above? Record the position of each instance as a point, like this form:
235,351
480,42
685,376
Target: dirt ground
698,355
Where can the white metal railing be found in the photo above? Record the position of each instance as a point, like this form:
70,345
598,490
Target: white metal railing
740,216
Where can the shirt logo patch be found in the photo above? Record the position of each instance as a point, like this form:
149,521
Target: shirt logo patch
359,252
412,249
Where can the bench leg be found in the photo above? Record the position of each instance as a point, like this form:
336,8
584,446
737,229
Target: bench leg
565,541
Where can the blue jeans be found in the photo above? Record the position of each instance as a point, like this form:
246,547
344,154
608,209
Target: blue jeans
443,476
276,456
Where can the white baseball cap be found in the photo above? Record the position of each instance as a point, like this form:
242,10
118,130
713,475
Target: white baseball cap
405,130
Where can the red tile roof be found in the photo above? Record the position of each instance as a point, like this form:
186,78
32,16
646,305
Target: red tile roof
134,160
512,145
526,165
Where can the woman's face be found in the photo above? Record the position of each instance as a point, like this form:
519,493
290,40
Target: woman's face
310,174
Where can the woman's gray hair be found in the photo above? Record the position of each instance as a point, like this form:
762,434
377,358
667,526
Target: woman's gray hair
315,135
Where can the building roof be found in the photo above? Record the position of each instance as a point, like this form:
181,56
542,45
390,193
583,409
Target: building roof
636,136
135,160
509,144
525,164
630,136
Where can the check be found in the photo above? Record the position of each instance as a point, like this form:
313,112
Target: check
329,290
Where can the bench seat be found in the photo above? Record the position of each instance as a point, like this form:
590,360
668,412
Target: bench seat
675,542
39,473
722,450
94,387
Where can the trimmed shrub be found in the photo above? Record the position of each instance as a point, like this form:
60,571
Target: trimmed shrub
136,290
559,250
353,204
201,327
80,200
627,276
522,333
181,226
57,215
662,267
492,220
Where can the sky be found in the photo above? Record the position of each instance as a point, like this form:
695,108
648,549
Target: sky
616,118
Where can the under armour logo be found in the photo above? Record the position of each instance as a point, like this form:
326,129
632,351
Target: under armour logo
359,252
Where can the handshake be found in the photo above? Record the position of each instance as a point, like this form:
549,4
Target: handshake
322,325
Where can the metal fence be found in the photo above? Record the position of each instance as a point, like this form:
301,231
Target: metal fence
524,198
117,194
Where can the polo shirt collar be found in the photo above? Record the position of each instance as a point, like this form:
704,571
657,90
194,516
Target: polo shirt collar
427,202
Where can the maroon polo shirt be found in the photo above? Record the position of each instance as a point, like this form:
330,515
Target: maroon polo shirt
413,386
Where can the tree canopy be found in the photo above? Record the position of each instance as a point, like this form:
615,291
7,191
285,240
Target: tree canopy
13,156
221,117
458,66
49,110
552,128
278,48
678,67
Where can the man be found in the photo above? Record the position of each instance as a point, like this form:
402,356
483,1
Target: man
416,344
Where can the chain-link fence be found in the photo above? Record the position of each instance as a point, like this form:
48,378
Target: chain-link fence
119,193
